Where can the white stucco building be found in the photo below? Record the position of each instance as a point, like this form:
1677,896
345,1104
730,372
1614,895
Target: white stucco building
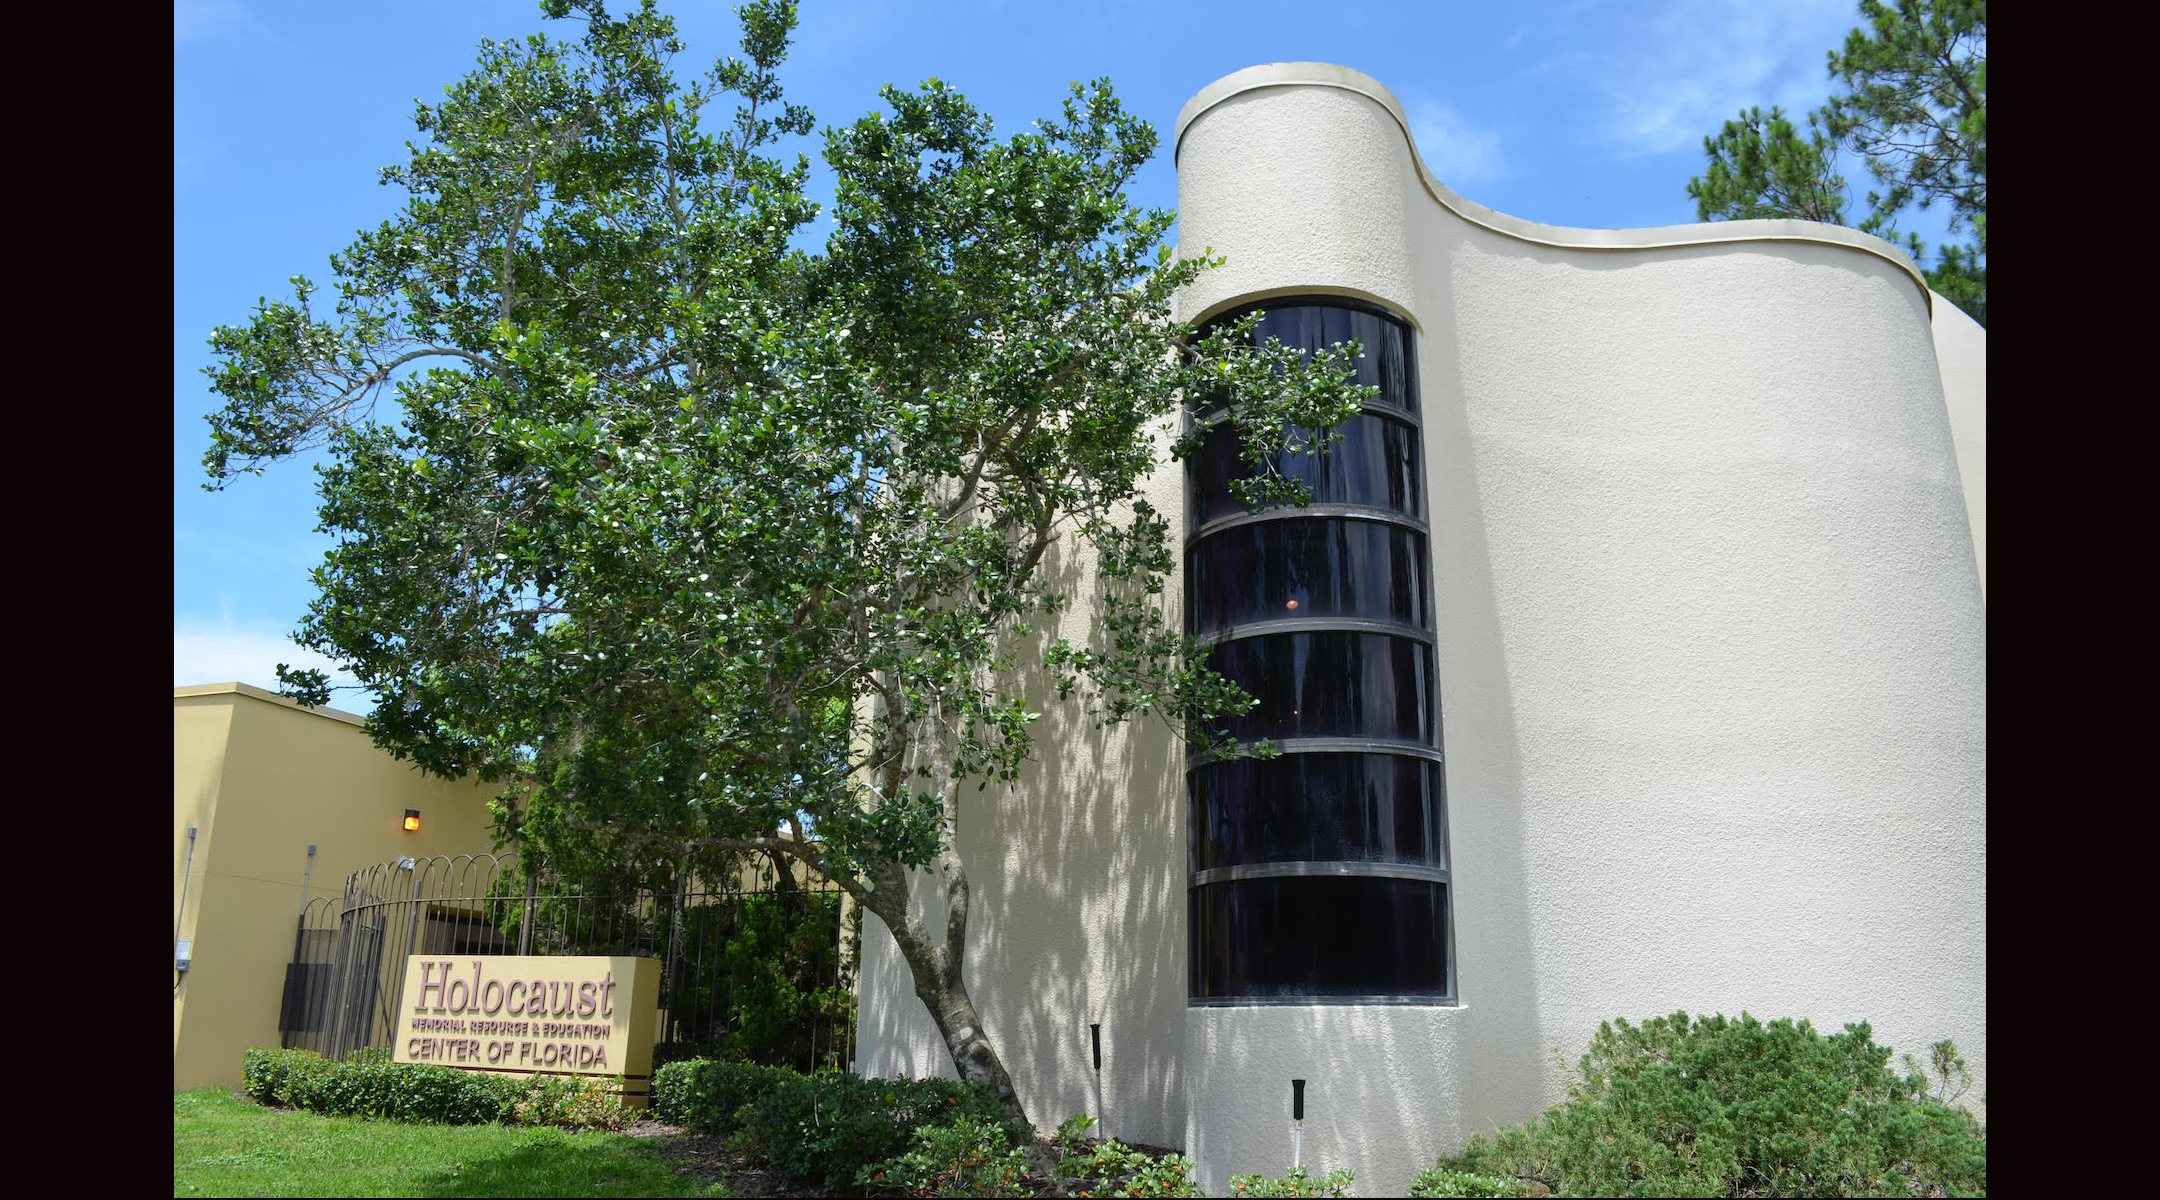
1631,658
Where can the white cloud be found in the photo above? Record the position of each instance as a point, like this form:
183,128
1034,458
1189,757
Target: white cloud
1677,75
209,650
1458,152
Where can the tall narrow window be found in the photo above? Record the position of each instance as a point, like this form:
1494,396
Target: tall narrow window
1320,875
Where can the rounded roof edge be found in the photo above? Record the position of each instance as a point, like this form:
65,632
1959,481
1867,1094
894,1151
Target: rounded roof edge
1655,237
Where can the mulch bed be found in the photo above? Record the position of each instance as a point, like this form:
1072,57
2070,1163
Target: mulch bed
707,1157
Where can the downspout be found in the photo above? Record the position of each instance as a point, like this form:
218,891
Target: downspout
179,919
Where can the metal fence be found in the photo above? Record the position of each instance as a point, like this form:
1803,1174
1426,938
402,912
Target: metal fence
762,969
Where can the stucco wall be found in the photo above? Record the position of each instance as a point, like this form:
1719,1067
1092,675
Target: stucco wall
1961,351
261,779
1733,609
1078,908
1705,525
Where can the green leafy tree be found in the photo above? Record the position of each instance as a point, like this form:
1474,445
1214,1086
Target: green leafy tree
1913,109
698,544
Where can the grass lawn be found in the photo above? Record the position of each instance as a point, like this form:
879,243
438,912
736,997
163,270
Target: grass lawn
229,1146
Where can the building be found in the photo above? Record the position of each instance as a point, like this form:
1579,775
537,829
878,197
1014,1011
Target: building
1632,658
275,805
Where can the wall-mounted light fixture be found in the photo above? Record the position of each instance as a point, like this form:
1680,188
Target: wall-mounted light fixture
412,820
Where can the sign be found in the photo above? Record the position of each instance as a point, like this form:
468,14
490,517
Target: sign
532,1015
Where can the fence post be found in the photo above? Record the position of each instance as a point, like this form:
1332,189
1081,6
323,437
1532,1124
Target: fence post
347,936
525,926
674,947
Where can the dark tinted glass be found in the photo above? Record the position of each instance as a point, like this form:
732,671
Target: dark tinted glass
1375,463
1387,362
1329,684
1316,937
1305,567
1316,808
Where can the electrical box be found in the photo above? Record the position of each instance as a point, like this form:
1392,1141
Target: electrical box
182,952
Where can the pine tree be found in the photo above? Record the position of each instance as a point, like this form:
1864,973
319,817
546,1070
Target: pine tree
1914,110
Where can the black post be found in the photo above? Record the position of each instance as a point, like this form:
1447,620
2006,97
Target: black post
1095,1033
1297,1099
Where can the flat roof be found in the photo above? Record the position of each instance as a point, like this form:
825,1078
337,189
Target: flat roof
251,691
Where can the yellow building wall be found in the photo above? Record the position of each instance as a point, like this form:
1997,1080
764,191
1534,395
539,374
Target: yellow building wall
261,778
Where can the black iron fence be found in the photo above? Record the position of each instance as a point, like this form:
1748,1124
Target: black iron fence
762,969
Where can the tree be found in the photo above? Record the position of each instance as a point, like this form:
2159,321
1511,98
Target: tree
698,545
1761,167
1914,110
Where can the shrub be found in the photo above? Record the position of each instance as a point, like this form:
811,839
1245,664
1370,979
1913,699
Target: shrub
1297,1183
784,983
1432,1181
1713,1107
969,1157
368,1084
263,1071
398,1092
1072,1134
575,1101
1113,1168
706,1095
821,1130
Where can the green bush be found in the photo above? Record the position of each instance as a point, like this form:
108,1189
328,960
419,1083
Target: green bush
262,1071
1108,1168
783,983
368,1084
1112,1168
706,1095
574,1101
1717,1107
819,1130
1297,1183
969,1157
392,1091
1432,1181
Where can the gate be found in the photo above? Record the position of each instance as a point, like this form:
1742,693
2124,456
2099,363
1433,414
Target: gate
764,968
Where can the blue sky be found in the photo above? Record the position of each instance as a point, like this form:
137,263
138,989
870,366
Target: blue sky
1585,113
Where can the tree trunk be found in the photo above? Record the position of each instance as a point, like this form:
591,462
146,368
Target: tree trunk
936,967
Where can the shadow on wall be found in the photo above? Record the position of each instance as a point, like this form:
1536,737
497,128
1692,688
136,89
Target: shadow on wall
1078,883
1083,864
